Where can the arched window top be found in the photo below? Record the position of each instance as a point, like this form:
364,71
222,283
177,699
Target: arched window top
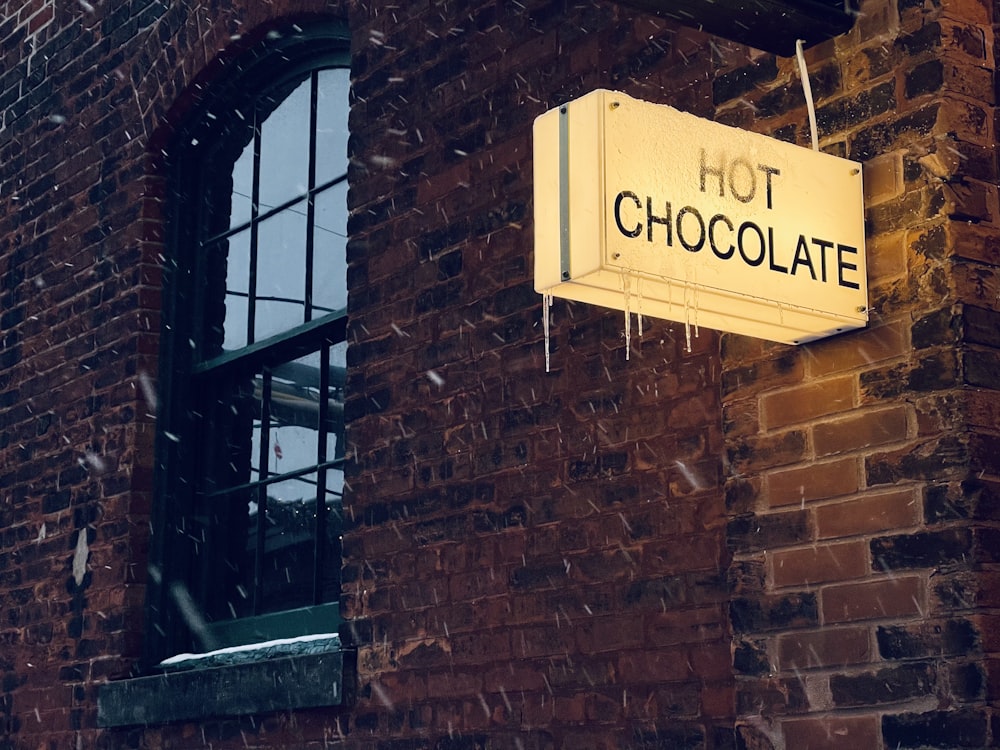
262,187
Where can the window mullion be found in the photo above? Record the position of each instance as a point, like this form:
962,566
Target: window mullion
254,227
311,201
261,490
321,451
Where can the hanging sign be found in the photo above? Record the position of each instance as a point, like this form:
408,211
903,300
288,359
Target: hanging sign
642,208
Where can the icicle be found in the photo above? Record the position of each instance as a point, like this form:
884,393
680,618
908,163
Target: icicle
696,332
638,303
626,288
687,320
807,90
546,307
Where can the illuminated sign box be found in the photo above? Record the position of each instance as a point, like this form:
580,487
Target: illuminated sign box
642,208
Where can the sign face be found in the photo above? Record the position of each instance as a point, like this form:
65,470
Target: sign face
642,208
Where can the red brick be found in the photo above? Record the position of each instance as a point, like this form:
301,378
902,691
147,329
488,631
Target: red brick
830,562
812,482
806,402
869,514
768,451
654,666
832,733
834,647
860,431
856,350
873,600
886,256
883,178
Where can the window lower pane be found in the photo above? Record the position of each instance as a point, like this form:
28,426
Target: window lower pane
286,562
269,544
329,564
335,447
294,414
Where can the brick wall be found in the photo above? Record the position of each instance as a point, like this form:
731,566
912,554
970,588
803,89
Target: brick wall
862,469
541,557
740,545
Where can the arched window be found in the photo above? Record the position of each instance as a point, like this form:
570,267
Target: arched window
251,432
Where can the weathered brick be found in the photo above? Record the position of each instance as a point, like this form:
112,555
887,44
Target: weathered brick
868,514
832,732
832,562
861,431
889,685
805,402
957,728
937,458
872,600
923,550
824,648
750,533
948,638
765,451
774,612
740,81
845,353
812,482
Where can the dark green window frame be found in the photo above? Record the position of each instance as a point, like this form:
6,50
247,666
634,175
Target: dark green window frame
195,367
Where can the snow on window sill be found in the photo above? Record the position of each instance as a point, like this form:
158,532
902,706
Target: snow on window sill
305,644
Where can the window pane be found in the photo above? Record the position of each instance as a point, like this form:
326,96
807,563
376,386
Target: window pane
284,150
281,269
331,124
237,291
335,413
295,415
330,250
289,545
330,573
242,187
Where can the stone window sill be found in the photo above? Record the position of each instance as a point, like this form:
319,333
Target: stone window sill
211,690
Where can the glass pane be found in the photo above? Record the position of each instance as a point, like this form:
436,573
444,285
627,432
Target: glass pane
284,150
294,410
237,291
330,251
335,415
289,545
331,124
256,430
242,187
224,583
330,573
281,268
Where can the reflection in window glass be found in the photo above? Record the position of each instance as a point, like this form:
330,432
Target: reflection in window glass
286,562
235,324
284,150
281,273
291,463
331,124
329,251
242,188
335,414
